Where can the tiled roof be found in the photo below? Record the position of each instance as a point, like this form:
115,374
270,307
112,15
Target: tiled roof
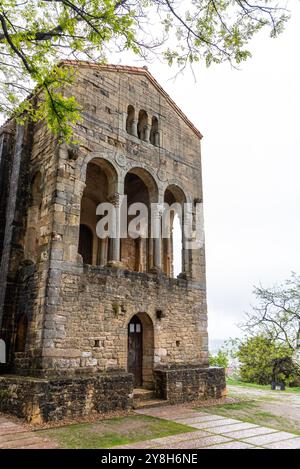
136,71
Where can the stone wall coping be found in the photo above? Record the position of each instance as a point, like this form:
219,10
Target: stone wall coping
77,269
178,369
91,376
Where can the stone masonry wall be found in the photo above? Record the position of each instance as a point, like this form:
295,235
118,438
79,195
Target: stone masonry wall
189,383
96,305
42,400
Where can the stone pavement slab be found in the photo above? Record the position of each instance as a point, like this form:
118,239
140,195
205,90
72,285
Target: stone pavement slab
294,443
13,435
173,440
272,437
197,443
240,434
180,437
219,432
232,445
170,412
200,418
213,424
230,428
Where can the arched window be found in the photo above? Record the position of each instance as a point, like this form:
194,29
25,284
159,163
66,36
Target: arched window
177,246
174,256
85,247
22,326
130,120
139,187
101,185
36,196
142,124
154,134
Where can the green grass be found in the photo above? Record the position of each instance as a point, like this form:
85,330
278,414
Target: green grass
265,387
113,432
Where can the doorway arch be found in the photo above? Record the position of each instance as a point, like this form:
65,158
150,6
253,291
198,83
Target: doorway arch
140,350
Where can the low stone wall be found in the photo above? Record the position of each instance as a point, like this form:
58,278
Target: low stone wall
42,400
180,384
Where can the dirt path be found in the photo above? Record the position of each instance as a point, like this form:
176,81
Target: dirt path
282,405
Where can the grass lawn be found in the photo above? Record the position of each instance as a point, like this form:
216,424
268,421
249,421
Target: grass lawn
113,432
264,387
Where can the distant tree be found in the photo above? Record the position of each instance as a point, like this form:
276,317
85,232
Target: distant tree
220,359
277,315
262,360
36,34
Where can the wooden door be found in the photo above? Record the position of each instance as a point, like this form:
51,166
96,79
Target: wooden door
135,350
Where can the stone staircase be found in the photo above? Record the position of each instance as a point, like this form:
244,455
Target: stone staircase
144,398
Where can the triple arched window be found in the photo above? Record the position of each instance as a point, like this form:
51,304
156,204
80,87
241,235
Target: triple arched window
142,126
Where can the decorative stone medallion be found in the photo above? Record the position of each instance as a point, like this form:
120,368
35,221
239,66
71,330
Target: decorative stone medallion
162,174
120,159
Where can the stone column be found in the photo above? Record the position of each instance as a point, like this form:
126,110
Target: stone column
185,252
134,128
156,139
114,260
150,254
147,132
103,252
156,232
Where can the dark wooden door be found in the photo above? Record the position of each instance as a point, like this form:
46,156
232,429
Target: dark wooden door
135,350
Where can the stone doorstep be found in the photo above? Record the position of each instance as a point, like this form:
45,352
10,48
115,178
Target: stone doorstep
148,403
142,394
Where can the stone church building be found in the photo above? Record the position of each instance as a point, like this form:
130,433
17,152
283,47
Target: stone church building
94,324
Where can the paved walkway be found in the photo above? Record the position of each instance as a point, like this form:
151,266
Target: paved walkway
13,435
215,432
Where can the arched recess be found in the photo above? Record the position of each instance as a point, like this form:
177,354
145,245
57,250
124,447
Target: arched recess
140,349
154,133
21,333
33,219
136,249
174,262
100,186
130,120
142,125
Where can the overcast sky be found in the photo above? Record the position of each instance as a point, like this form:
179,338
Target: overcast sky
251,169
